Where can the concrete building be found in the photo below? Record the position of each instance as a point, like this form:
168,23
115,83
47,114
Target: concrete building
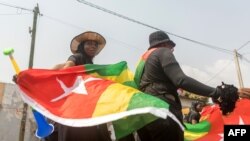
11,113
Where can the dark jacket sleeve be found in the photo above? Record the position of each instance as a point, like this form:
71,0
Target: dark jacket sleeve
174,72
76,58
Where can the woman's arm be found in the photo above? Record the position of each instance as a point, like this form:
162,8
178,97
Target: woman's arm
63,65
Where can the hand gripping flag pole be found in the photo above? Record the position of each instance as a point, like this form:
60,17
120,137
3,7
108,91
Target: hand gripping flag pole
44,129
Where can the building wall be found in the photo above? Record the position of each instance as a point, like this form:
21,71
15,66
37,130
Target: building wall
11,113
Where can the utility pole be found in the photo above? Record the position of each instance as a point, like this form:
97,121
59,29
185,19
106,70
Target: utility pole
236,55
33,33
25,105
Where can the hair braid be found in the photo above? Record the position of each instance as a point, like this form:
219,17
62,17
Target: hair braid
228,98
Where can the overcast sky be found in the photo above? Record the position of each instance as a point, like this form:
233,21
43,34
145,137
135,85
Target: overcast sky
222,23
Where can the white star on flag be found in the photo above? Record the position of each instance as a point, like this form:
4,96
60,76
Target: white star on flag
77,88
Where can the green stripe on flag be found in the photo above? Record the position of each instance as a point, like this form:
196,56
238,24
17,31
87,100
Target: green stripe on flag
138,72
203,126
196,131
130,84
128,125
115,72
106,70
140,100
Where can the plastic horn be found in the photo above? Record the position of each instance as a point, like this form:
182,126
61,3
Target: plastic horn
9,52
44,128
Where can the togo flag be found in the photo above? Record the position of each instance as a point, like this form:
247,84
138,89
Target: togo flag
89,95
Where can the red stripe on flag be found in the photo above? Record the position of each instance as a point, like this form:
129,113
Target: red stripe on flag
43,86
83,106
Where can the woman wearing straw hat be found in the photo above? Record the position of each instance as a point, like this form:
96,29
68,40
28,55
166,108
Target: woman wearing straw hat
84,48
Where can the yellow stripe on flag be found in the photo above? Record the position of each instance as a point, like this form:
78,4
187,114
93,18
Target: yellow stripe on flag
193,136
114,99
125,75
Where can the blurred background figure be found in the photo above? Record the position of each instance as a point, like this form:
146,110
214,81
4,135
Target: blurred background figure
194,115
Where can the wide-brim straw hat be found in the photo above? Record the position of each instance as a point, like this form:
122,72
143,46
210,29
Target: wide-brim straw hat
87,36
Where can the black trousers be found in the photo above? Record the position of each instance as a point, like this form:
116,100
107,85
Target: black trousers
66,133
93,133
161,130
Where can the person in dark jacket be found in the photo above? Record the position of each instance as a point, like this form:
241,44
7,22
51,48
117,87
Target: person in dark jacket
161,77
84,48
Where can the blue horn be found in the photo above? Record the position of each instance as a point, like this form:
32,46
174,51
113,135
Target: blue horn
44,129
